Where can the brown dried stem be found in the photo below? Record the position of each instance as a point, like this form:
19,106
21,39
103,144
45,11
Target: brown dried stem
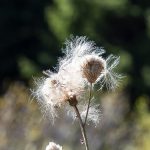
81,127
89,101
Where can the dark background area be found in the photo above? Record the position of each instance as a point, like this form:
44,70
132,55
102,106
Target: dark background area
32,33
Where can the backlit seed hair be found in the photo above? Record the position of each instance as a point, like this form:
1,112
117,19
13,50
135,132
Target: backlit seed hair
82,62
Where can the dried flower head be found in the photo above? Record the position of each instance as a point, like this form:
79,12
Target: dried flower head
82,55
53,146
82,62
55,91
92,67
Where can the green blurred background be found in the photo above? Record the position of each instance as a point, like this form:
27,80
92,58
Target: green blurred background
32,33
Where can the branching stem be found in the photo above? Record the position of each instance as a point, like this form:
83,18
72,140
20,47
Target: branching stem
82,127
89,101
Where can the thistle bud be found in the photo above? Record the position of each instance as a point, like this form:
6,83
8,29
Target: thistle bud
71,98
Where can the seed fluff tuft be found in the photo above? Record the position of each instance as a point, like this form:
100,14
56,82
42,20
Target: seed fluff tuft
82,64
110,78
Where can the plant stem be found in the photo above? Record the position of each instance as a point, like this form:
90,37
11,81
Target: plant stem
82,127
89,101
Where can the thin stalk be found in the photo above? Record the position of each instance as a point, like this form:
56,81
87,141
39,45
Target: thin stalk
89,101
81,127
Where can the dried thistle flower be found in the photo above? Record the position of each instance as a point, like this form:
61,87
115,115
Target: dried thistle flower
53,146
82,61
82,64
82,55
51,94
92,67
96,69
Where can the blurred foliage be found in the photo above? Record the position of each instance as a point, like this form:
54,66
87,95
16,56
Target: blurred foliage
142,126
31,37
23,127
32,33
25,39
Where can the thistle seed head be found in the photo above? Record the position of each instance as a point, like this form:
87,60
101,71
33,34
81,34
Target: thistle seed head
72,99
82,61
92,67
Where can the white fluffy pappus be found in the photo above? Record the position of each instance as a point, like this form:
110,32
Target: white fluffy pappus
98,70
53,146
52,93
79,47
109,77
80,50
42,94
